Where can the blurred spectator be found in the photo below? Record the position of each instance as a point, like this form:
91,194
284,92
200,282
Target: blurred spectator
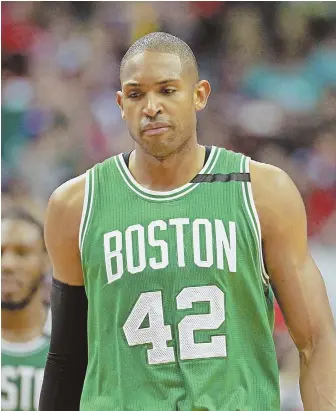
25,321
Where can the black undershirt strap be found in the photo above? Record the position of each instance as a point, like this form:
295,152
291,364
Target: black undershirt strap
127,157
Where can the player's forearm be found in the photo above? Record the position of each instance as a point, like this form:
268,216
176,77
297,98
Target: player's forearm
67,359
318,375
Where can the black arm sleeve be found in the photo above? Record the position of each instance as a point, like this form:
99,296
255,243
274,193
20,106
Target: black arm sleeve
67,359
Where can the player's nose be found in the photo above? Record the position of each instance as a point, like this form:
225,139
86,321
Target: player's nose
152,106
8,262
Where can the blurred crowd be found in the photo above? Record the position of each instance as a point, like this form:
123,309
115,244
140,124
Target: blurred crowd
272,67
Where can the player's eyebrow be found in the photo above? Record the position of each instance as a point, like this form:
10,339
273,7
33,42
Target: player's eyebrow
161,82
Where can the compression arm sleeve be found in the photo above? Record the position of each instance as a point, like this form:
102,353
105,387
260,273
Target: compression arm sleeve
67,359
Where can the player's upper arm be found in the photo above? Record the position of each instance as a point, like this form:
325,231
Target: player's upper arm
294,276
62,230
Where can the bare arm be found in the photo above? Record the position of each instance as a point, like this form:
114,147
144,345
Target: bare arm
67,359
62,231
297,283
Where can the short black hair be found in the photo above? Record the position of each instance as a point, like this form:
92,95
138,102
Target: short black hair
19,213
163,43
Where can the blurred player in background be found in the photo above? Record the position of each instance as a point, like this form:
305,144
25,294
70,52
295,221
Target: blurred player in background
160,265
25,320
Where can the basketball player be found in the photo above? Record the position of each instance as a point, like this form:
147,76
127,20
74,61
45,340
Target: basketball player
25,323
168,253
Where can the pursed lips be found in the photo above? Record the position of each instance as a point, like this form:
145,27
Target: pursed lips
156,128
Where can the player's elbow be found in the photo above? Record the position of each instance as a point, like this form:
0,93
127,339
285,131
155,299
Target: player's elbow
316,343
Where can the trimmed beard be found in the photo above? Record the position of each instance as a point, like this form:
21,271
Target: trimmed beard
19,305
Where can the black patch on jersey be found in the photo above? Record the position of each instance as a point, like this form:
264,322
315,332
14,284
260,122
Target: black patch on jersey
222,178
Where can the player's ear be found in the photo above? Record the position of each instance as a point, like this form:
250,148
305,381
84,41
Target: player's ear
201,94
119,100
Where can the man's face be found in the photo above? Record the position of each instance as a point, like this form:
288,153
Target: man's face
158,101
22,262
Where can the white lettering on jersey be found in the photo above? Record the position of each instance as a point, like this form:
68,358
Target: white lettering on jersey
179,223
27,374
206,236
9,389
130,246
158,243
208,242
113,256
27,397
228,244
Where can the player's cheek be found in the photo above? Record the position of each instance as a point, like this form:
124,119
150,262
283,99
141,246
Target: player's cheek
31,272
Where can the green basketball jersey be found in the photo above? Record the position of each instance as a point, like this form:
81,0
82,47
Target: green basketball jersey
22,368
180,310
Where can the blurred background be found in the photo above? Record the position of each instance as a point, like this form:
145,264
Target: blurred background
272,67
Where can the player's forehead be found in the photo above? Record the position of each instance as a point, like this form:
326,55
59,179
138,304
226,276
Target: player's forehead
19,232
152,67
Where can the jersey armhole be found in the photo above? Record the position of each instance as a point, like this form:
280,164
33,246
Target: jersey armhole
253,216
87,208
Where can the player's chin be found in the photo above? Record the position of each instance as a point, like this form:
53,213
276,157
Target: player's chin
10,296
163,155
8,300
160,140
164,137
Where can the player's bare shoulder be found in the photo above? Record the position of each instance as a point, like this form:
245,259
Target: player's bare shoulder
62,224
266,181
66,204
275,195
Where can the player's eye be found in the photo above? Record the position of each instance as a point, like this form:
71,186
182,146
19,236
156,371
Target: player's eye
133,95
168,90
22,252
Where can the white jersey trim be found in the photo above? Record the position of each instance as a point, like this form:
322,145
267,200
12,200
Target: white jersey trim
166,195
90,194
250,193
20,349
84,210
47,325
257,231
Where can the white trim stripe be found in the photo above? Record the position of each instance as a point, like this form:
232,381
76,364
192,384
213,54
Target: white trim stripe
48,323
167,195
162,193
212,165
84,210
23,349
17,349
251,219
249,188
90,209
154,198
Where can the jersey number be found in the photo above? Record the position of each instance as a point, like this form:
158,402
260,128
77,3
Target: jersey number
158,334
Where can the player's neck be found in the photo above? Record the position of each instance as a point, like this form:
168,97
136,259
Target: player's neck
26,324
168,174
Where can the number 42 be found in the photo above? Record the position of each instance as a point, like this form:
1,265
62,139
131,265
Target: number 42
158,333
